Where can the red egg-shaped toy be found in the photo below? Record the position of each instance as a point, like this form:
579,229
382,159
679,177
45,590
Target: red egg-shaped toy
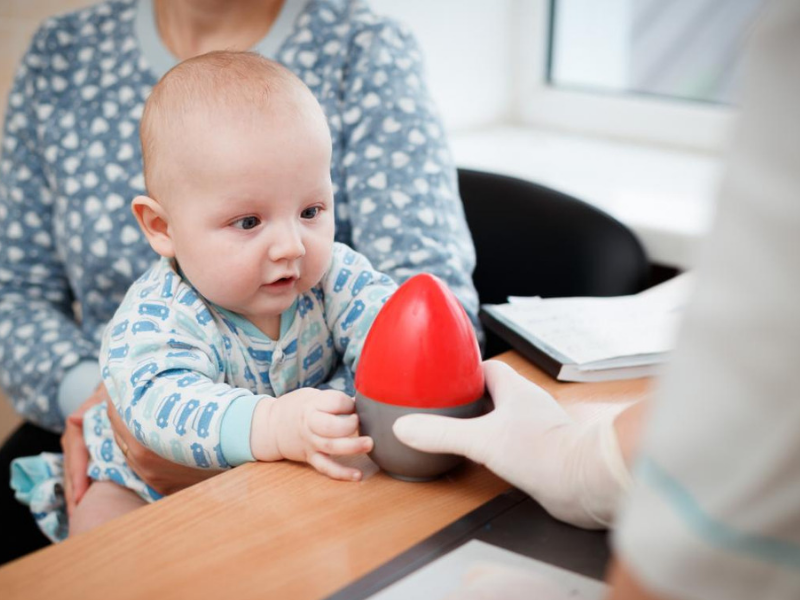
420,356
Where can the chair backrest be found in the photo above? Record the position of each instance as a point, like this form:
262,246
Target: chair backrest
534,241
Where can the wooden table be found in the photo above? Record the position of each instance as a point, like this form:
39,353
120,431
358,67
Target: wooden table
277,530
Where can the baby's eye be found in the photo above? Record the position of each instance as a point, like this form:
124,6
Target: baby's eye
310,213
246,223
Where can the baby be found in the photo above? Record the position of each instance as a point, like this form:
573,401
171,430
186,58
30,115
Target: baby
213,355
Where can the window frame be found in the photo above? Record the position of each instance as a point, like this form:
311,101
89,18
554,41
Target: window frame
645,119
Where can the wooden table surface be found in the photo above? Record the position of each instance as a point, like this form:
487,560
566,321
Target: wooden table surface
271,530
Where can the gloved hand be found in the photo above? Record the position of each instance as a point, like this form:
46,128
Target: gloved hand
573,469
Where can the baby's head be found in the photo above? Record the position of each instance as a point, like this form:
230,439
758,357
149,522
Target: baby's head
237,158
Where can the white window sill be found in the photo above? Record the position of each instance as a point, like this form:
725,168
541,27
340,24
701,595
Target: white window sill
665,196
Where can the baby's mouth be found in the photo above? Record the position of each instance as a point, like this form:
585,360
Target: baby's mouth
282,282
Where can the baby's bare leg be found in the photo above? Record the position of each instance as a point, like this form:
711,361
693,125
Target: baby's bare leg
102,502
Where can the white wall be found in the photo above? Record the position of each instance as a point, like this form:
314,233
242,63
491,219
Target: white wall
468,51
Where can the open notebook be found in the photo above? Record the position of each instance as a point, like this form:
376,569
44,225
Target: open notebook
594,339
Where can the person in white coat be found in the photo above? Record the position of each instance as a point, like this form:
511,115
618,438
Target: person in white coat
715,509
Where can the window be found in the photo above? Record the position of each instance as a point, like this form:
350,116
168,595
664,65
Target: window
645,70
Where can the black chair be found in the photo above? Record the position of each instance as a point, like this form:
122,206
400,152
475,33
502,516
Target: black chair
534,241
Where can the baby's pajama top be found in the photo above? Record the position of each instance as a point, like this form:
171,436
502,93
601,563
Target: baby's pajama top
186,375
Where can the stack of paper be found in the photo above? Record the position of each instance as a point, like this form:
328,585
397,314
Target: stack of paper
594,339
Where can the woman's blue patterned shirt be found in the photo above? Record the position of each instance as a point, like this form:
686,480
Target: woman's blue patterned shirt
71,163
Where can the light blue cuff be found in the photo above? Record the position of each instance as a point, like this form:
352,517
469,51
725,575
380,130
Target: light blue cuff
234,435
78,384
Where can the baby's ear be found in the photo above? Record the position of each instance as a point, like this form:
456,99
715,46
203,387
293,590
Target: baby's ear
154,223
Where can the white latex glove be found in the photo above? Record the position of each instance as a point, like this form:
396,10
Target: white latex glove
574,470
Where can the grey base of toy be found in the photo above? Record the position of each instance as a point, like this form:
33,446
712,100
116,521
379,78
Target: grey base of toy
394,457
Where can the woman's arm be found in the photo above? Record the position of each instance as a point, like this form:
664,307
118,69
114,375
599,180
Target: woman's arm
40,342
406,213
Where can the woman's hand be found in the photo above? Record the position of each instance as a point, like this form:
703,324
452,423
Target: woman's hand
76,456
164,476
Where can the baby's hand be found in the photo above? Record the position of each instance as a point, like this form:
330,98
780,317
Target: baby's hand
309,425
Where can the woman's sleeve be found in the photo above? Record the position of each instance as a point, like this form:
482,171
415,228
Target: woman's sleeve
400,178
39,338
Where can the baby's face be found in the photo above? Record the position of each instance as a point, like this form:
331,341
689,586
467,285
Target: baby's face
250,208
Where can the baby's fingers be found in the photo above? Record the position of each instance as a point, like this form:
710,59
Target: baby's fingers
327,466
333,426
335,403
342,446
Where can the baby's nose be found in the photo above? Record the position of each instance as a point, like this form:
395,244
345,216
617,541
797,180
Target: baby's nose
287,244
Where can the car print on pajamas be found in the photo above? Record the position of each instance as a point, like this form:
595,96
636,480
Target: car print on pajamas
145,326
138,432
118,331
139,392
260,356
155,443
166,290
304,305
183,354
314,378
107,450
188,380
220,457
98,425
187,298
175,344
113,474
146,291
158,310
183,417
230,324
366,322
177,452
162,420
353,315
204,316
363,279
204,422
314,356
200,456
150,368
118,353
341,279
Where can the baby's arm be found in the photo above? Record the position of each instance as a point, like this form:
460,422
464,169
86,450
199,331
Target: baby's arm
162,362
309,425
354,294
